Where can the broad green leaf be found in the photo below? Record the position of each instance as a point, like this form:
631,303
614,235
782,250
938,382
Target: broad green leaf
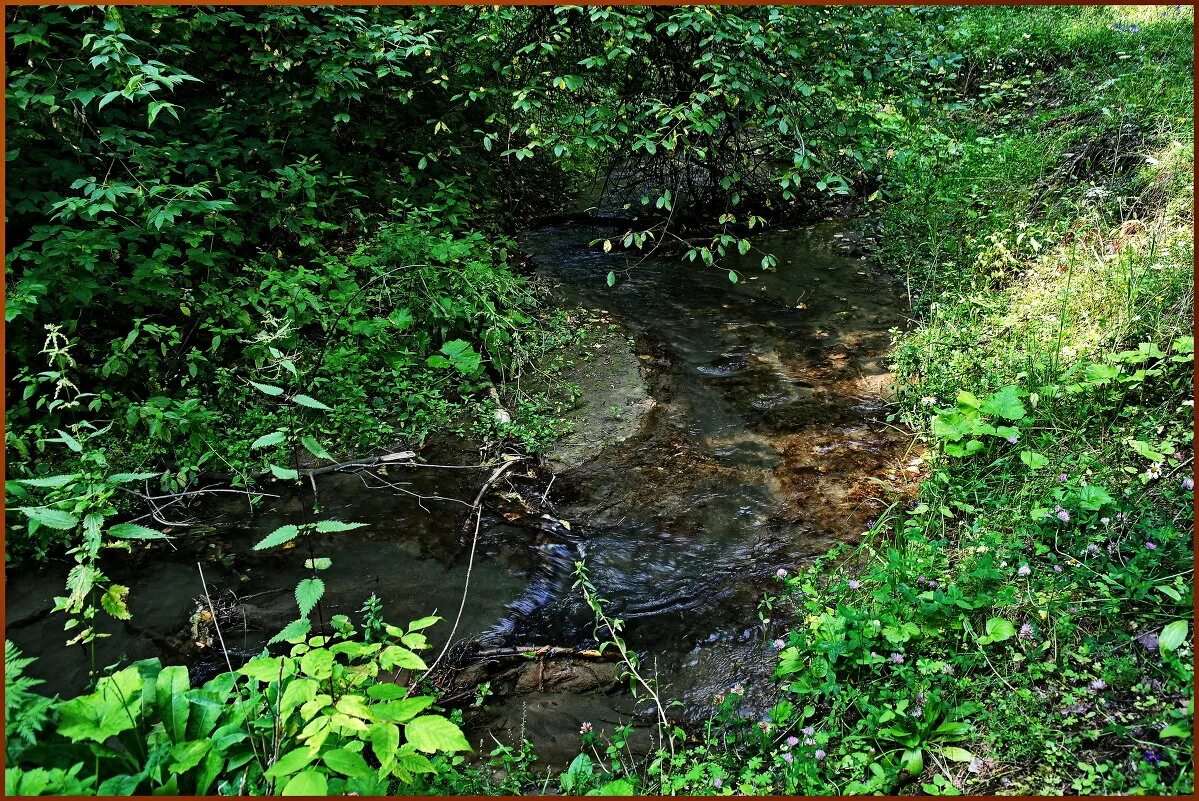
284,473
1173,635
70,441
347,763
617,787
319,563
957,754
423,623
299,692
1033,460
385,740
114,707
114,603
394,657
999,629
403,710
278,537
433,734
308,783
186,755
171,702
1005,403
294,760
611,278
308,594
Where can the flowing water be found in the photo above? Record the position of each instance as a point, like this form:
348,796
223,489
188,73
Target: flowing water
765,444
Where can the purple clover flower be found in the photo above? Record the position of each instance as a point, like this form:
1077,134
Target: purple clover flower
820,754
897,658
792,741
1188,484
718,782
808,731
1026,632
788,758
1097,685
1063,515
854,584
1024,570
779,645
1151,546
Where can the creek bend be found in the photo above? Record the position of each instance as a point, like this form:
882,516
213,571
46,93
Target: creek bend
739,432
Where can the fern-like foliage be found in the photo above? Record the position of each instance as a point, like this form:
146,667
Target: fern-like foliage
25,711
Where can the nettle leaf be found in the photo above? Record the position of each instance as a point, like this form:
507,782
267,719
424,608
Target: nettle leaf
278,537
433,734
400,710
268,389
311,403
319,563
1173,635
294,631
69,441
132,531
330,526
268,440
308,593
49,482
1005,403
121,478
284,473
51,518
315,448
113,601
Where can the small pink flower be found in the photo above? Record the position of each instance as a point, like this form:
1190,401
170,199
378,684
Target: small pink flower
1024,570
1062,477
718,782
781,572
819,754
1188,484
788,758
585,728
779,645
792,741
1151,546
854,584
807,731
897,658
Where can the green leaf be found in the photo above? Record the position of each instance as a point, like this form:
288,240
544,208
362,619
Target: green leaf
186,755
1175,730
113,601
278,537
311,403
611,278
70,441
393,657
999,629
617,787
284,473
433,734
319,563
308,594
459,354
423,623
51,518
1005,403
273,391
330,526
132,531
50,482
114,707
912,761
172,705
957,754
121,478
385,741
294,631
347,763
315,448
1033,460
299,692
310,783
733,277
268,440
294,760
401,711
1173,635
1094,497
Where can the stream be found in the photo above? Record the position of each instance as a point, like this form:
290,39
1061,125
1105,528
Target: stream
751,438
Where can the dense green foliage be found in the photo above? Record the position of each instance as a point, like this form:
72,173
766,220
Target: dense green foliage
241,240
